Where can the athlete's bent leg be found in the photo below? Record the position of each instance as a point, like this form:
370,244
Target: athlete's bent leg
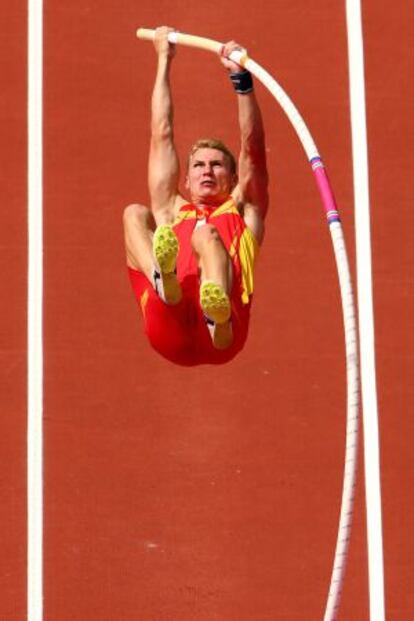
139,228
139,225
212,256
216,280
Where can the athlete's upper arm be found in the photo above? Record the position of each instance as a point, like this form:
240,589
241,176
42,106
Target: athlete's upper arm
252,190
163,172
253,177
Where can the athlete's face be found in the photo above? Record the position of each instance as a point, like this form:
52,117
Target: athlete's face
209,178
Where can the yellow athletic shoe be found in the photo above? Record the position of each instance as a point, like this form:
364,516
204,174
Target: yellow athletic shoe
165,248
215,302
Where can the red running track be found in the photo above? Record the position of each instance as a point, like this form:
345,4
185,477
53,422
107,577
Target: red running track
212,493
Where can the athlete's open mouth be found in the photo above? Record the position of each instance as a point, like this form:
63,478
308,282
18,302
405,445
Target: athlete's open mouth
208,183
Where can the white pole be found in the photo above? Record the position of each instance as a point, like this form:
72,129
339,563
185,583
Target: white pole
365,310
35,316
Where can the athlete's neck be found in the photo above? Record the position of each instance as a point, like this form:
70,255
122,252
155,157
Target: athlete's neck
209,203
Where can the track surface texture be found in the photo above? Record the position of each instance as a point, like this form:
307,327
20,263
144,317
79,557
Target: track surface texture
203,494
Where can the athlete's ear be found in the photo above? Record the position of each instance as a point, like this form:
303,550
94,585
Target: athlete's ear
187,183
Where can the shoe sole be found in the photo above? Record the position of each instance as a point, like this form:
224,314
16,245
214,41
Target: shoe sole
165,248
215,302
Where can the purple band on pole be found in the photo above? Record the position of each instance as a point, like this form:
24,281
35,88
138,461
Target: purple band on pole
328,198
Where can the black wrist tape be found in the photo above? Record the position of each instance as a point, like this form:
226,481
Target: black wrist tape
242,82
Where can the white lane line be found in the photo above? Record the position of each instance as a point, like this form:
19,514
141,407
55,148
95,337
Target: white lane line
365,310
35,315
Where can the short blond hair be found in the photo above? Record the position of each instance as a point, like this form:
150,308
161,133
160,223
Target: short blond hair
213,143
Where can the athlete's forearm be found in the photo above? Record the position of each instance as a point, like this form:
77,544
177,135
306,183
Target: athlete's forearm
251,125
161,104
250,118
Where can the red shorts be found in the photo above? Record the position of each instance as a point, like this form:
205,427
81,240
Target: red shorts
180,333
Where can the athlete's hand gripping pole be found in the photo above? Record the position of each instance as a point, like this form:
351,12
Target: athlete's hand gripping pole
238,56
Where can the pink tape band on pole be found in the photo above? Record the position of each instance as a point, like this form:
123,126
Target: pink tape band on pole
328,199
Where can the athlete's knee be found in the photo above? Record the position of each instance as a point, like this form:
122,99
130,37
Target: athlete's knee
205,235
136,214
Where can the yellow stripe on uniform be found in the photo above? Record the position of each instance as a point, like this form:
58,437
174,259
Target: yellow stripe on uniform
248,251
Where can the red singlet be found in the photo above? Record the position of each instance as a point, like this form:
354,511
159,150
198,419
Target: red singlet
179,332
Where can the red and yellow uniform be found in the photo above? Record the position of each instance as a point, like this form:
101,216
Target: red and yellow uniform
179,332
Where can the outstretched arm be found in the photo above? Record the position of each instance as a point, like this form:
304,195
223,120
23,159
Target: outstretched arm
163,168
252,190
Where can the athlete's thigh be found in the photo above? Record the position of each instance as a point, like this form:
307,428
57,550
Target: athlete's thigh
139,225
